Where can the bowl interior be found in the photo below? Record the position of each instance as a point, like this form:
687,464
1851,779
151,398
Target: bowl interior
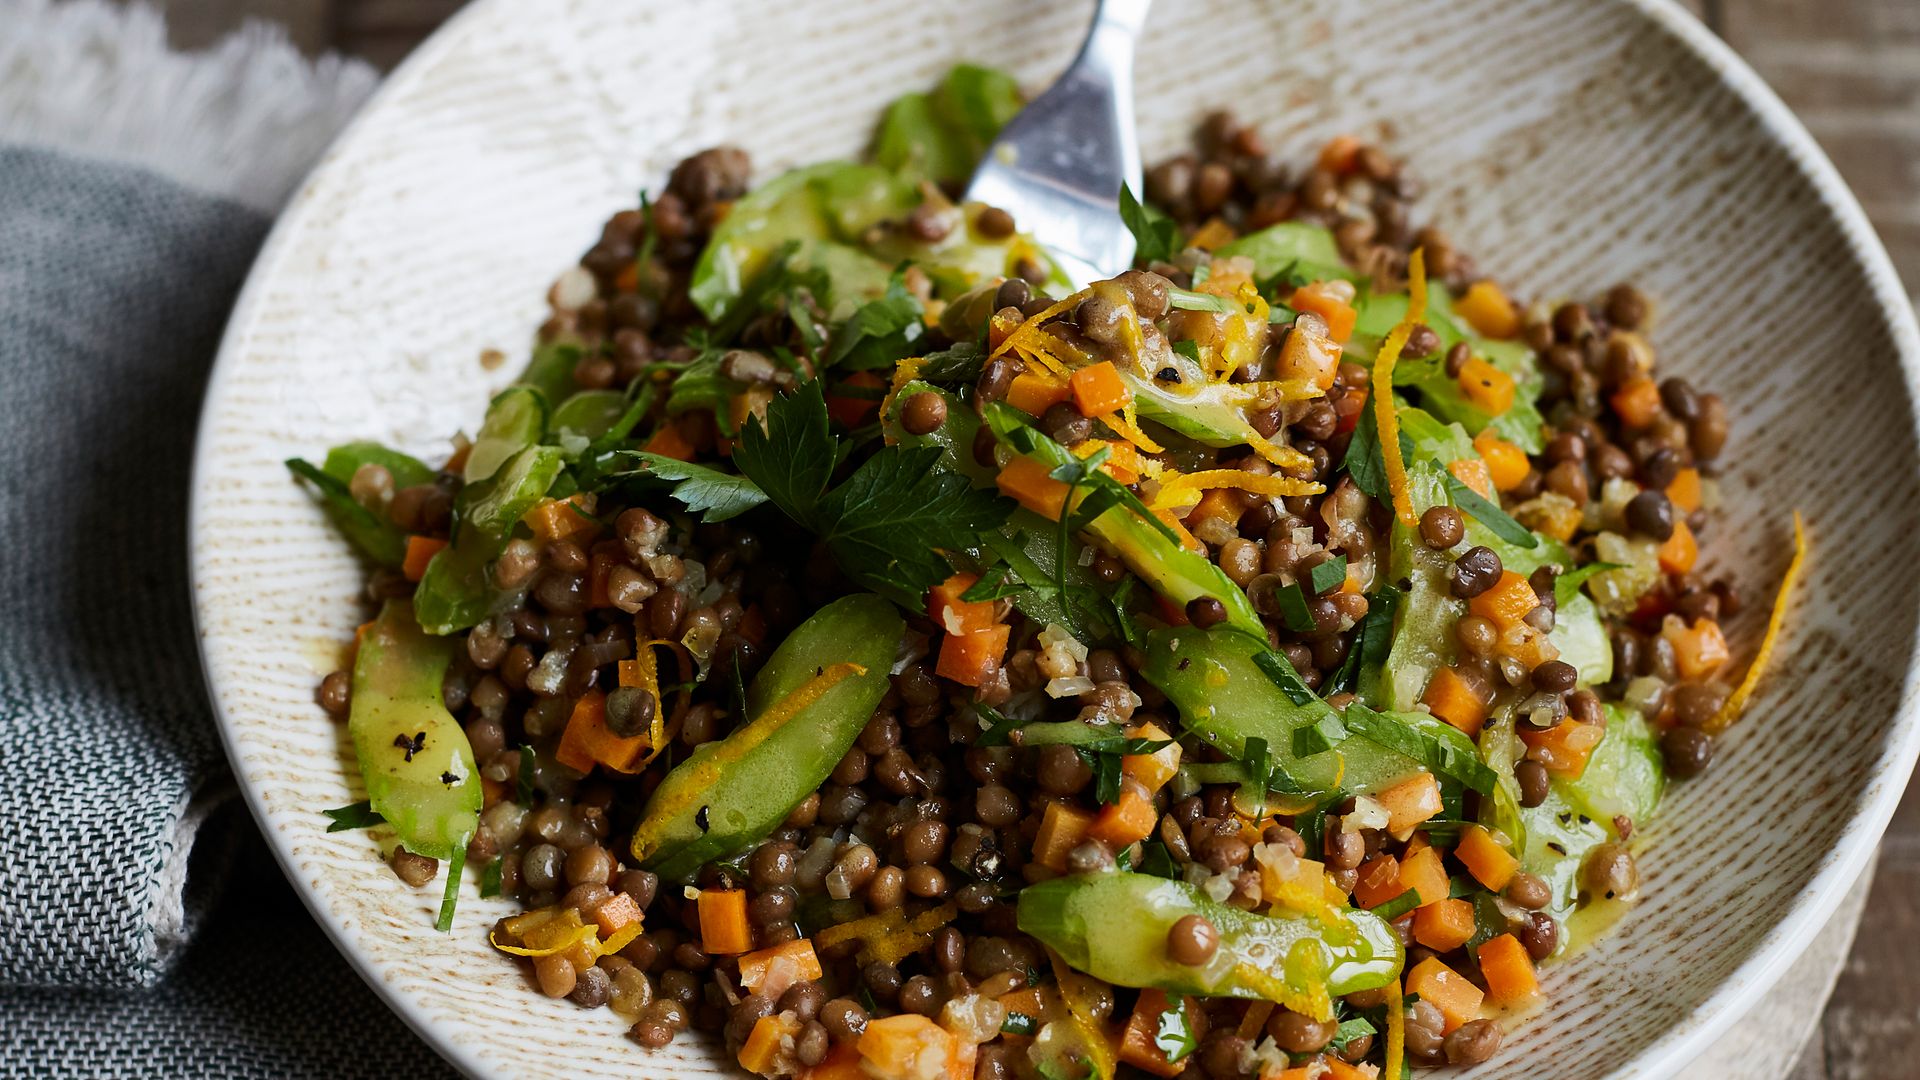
1579,145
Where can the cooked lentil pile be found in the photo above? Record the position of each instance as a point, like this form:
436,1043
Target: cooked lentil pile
851,642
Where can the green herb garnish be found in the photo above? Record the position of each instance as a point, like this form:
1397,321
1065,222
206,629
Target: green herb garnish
885,524
1156,237
360,815
1487,512
714,495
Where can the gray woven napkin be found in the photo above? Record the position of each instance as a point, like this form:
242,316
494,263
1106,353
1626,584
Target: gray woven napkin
144,930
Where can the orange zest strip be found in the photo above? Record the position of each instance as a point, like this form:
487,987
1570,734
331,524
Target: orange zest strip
1078,994
1316,1003
644,671
890,936
1280,457
1255,1019
1737,701
1284,389
1272,486
903,373
1396,1021
1038,353
1031,328
1383,409
1123,425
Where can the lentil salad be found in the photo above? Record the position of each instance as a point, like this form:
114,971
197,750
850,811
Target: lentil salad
848,640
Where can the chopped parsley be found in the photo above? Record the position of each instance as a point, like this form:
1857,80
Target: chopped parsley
887,523
1156,237
360,815
714,495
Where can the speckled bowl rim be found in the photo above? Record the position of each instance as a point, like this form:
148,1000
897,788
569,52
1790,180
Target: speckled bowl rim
1691,1034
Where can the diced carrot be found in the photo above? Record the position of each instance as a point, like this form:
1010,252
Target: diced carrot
1298,1072
1506,463
1330,303
1212,234
1061,827
785,964
420,552
569,519
1155,769
1684,492
493,791
1179,530
1565,747
1451,992
1340,1070
1123,459
841,1063
1410,802
457,461
588,741
1027,1001
1486,306
1098,390
1170,613
757,1055
1416,843
1305,881
1137,1046
1637,402
1444,925
1555,515
954,615
1475,473
1507,603
1487,387
1424,873
1341,154
616,914
749,404
723,921
1489,863
599,572
966,1056
1453,699
1508,971
851,410
1128,818
1035,394
970,658
667,440
1379,882
898,1047
1030,483
1349,408
1226,504
753,624
1698,650
1679,552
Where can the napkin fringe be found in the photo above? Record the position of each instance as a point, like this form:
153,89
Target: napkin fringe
244,119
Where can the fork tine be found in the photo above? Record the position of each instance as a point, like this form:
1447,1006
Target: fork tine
1057,167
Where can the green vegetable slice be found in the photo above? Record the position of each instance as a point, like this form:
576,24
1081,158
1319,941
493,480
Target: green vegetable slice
516,419
730,794
413,755
1114,927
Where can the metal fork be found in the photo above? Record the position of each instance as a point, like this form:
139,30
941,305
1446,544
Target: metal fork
1058,165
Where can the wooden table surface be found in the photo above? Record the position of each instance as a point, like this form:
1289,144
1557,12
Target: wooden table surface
1849,68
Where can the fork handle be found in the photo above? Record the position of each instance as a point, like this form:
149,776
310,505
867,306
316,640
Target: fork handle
1127,15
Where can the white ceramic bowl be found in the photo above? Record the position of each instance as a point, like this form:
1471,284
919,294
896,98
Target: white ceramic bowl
1568,143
